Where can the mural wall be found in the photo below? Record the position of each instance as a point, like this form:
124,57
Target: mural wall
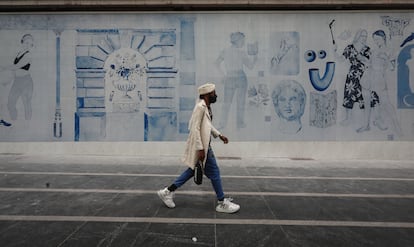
338,76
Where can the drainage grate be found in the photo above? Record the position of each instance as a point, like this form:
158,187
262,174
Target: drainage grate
300,158
228,158
11,153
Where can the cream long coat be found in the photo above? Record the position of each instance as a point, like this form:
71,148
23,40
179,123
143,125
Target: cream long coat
201,129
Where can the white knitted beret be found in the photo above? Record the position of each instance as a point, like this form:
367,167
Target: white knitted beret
206,88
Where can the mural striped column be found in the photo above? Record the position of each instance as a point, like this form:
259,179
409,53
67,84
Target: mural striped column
187,73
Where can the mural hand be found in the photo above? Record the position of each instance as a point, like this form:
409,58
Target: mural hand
335,47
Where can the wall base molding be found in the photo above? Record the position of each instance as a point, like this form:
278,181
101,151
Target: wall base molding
235,150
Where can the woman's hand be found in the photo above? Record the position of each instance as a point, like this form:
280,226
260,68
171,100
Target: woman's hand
201,155
224,139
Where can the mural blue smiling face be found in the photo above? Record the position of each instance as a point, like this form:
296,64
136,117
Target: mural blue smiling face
322,106
318,82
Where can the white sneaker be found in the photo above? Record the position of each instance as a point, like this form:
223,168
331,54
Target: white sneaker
167,197
226,206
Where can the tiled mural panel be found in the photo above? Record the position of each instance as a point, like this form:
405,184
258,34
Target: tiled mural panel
300,76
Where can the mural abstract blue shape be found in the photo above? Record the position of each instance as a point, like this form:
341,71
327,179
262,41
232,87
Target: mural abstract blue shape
405,77
187,41
161,126
322,83
310,56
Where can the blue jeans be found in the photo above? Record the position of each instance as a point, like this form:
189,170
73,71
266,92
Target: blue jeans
211,170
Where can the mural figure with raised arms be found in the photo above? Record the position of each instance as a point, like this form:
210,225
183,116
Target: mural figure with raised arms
22,86
358,54
235,82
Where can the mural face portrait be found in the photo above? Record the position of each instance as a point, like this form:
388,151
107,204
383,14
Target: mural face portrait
289,104
378,40
237,39
27,41
289,100
361,37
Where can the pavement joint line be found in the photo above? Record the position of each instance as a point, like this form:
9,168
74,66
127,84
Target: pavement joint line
203,193
223,176
218,221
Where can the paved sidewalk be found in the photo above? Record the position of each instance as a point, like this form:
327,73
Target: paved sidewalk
111,201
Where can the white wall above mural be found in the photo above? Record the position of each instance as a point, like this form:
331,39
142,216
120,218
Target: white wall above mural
299,76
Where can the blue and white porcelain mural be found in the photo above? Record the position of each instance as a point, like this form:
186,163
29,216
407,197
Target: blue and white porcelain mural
340,76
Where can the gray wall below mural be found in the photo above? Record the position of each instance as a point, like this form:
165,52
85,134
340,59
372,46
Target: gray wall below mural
257,150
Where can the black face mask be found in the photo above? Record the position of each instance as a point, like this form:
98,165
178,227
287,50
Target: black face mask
212,98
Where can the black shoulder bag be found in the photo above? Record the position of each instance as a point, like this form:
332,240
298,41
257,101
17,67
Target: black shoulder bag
198,172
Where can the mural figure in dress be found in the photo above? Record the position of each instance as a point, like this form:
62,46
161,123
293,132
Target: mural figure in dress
358,54
374,86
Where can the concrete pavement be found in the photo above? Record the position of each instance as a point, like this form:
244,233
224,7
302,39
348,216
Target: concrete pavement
112,201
